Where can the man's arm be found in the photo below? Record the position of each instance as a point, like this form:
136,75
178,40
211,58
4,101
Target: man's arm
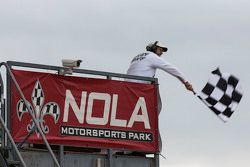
186,84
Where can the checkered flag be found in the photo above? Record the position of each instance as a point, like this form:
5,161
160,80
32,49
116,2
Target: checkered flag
222,94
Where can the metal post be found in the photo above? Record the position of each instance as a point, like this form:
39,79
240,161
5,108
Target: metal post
98,163
61,155
5,127
12,141
2,109
156,158
8,107
110,157
156,155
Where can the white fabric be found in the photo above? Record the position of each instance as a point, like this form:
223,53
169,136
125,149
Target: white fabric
145,64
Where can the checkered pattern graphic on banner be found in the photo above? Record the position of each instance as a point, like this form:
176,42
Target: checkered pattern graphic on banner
21,108
37,96
222,94
52,109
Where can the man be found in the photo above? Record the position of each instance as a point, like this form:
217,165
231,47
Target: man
145,64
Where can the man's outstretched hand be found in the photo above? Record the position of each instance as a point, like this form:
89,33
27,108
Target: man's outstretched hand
189,86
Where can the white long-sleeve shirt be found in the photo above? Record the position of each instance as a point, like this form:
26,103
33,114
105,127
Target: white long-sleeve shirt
145,64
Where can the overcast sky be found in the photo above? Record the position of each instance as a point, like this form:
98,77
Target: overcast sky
107,34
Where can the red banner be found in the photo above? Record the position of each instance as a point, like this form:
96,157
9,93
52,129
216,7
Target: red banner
86,112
